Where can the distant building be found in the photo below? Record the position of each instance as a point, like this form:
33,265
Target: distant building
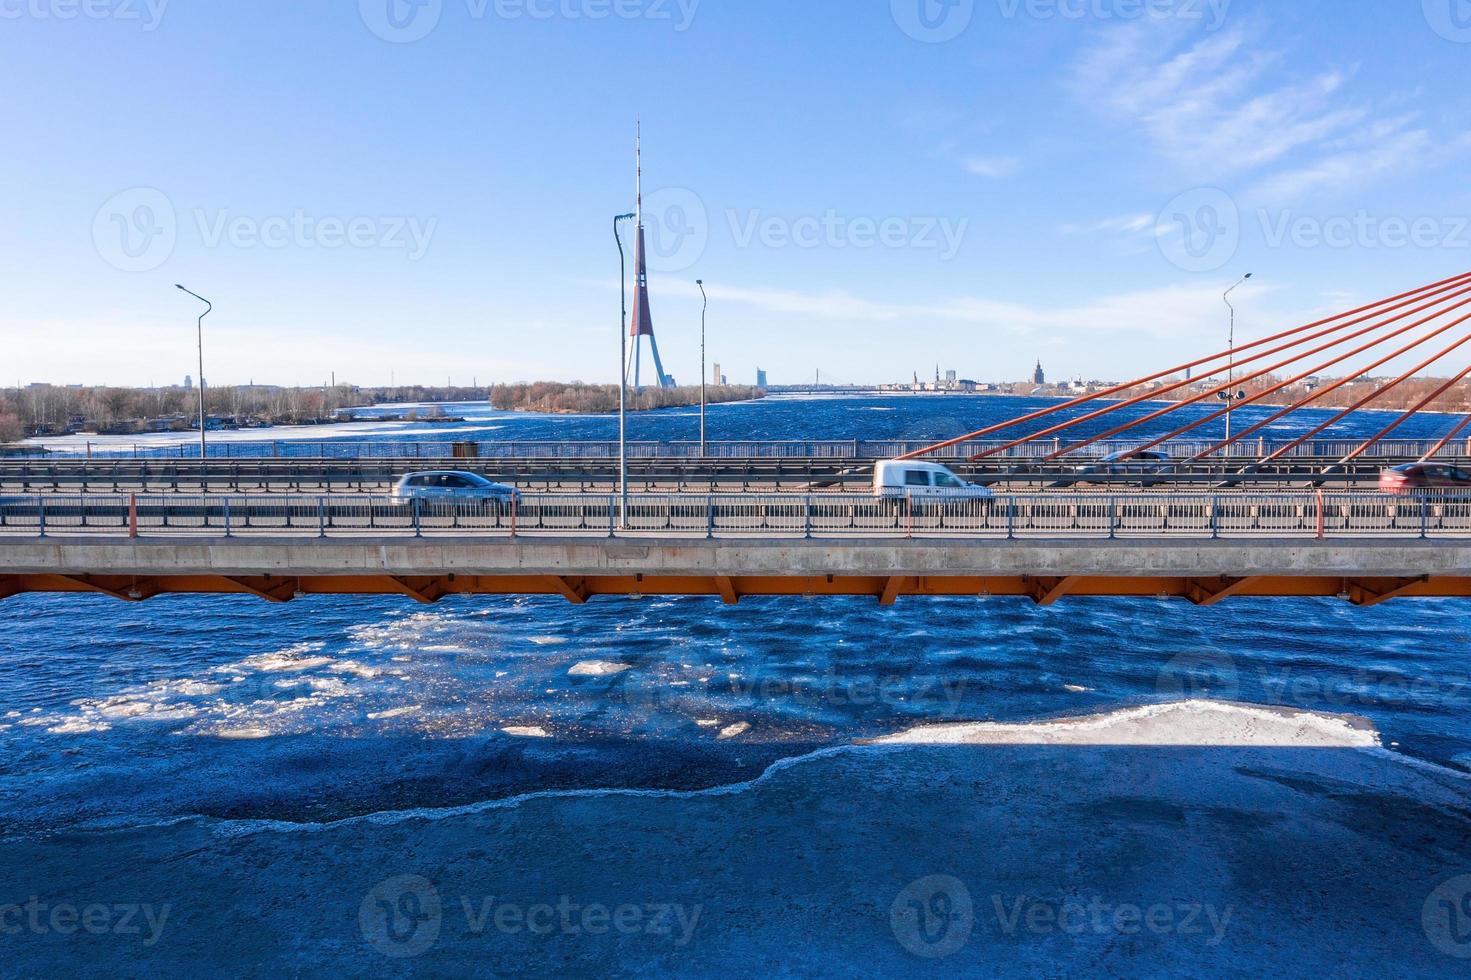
950,377
188,382
760,378
1040,377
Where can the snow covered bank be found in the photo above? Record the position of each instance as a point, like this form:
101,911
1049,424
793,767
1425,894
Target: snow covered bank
1182,723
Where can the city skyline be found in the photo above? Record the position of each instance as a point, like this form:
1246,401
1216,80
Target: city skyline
842,222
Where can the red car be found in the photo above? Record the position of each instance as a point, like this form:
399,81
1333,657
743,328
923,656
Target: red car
1424,476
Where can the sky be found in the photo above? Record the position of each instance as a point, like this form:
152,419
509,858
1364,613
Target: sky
423,190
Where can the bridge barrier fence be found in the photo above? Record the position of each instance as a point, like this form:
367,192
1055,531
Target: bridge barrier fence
856,449
1237,515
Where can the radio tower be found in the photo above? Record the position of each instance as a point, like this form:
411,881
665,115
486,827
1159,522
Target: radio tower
642,323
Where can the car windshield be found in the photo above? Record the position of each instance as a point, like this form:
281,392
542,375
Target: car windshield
946,480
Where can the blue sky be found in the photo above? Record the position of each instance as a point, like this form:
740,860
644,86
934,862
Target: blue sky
865,191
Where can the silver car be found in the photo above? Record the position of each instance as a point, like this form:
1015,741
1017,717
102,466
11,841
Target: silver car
453,487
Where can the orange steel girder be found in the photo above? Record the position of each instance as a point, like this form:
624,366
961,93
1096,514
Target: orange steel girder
1363,591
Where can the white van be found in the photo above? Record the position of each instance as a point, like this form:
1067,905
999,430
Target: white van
907,478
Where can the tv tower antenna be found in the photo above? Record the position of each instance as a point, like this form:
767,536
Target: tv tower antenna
642,321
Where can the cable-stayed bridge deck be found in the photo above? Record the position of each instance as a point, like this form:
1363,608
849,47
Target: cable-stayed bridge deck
1367,548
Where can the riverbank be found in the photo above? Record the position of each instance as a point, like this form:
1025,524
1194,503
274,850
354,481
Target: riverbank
557,398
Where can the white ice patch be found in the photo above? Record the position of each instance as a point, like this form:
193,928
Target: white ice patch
79,726
1181,723
548,641
597,668
532,731
732,731
393,712
292,659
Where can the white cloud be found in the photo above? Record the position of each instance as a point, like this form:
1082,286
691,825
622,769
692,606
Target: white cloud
995,168
1171,311
1228,106
1127,224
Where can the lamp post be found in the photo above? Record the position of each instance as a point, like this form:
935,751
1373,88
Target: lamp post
200,330
1229,395
703,310
622,370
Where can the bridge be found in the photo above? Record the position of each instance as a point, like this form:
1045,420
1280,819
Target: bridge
1368,548
752,474
1226,518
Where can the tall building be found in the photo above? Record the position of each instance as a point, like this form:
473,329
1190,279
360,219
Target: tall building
188,382
760,378
642,322
1040,377
715,375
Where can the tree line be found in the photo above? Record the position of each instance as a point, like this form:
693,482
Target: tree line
576,398
1401,397
54,409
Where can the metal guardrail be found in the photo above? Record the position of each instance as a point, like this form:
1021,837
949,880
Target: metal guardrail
1240,515
857,449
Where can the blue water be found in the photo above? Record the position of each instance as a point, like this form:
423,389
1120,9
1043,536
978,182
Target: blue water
330,707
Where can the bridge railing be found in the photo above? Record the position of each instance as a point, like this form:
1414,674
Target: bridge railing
857,449
1237,515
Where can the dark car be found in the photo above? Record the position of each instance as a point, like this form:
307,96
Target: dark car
1144,462
1424,476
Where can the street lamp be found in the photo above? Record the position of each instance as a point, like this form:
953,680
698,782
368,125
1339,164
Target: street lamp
1230,397
622,370
703,310
200,329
